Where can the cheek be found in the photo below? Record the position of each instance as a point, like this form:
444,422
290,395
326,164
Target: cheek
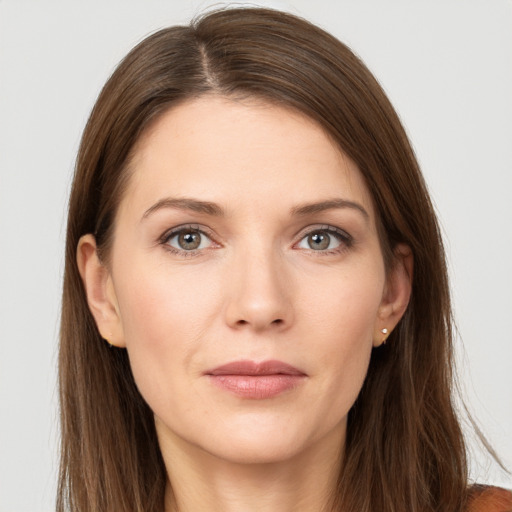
344,317
164,316
346,306
158,305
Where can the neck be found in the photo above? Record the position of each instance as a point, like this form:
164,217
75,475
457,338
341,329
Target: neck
201,481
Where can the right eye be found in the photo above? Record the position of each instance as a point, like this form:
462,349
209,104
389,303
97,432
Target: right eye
188,240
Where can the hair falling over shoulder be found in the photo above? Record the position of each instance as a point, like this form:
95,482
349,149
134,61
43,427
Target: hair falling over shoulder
404,451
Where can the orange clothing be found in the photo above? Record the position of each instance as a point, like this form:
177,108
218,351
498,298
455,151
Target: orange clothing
490,499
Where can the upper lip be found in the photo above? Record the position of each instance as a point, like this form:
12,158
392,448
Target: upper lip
271,367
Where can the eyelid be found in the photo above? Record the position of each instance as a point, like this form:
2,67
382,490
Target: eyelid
345,238
323,227
176,230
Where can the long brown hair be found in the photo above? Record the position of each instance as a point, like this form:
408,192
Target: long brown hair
404,450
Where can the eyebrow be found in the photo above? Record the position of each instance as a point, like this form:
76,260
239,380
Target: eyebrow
330,204
209,208
194,205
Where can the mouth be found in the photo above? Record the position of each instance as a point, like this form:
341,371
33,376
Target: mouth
256,381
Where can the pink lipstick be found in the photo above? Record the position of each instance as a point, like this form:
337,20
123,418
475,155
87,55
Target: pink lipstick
256,381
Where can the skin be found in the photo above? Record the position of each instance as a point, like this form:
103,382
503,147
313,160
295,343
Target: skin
255,289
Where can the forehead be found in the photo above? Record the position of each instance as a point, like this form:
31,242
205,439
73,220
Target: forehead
240,151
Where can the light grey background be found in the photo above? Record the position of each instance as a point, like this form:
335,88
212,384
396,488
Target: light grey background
447,66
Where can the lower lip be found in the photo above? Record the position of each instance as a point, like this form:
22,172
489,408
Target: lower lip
257,387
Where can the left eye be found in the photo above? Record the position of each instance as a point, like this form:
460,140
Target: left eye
321,240
188,240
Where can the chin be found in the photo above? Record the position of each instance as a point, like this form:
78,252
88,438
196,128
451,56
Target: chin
256,451
268,442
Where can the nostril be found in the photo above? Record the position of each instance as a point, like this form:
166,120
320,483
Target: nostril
276,322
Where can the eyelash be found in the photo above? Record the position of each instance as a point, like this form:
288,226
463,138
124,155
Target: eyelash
346,240
193,228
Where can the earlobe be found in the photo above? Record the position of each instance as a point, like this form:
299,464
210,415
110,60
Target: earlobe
100,291
396,294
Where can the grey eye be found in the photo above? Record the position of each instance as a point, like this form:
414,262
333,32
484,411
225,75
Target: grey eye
188,240
320,240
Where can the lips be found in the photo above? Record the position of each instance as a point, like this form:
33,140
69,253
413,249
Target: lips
257,381
255,369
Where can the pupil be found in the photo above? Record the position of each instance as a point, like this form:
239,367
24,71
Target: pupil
319,241
189,240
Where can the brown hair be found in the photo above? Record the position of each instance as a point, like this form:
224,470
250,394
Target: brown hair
404,450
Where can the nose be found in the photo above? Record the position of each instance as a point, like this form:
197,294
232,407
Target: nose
259,296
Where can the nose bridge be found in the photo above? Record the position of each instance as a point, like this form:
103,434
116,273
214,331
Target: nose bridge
259,292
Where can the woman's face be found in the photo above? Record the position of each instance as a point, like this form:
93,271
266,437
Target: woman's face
246,281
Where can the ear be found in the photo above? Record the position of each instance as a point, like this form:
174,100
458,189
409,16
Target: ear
100,292
397,293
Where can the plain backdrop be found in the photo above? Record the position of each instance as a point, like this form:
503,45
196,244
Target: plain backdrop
447,67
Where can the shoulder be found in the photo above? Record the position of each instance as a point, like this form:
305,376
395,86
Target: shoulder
484,498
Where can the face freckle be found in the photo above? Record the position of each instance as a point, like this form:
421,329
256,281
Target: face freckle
251,182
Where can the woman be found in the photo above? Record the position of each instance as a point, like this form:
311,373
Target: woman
256,312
